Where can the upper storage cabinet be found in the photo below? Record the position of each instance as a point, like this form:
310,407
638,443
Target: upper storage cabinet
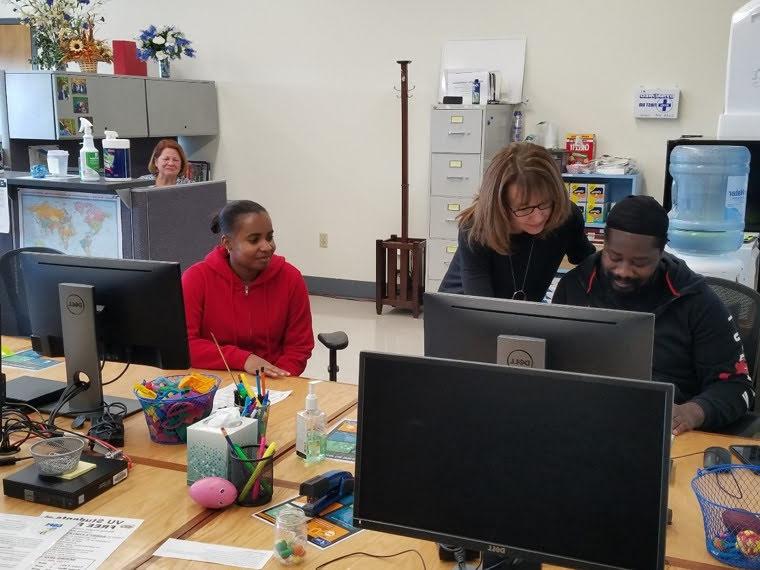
47,106
184,108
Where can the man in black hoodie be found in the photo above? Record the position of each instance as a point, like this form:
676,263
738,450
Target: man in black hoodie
696,345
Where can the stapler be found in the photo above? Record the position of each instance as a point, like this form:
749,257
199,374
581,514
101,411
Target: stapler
325,489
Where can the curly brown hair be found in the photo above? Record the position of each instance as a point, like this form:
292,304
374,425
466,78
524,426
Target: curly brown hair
533,170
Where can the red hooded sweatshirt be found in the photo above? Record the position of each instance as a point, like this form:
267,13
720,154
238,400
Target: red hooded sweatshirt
270,318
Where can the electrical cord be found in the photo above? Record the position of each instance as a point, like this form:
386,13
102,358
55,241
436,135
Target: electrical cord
326,564
21,424
117,377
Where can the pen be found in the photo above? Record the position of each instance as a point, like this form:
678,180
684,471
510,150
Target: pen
236,449
258,385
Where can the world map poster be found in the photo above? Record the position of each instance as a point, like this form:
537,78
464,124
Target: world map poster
75,223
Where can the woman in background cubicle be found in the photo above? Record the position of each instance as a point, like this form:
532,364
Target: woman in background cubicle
254,302
168,164
521,224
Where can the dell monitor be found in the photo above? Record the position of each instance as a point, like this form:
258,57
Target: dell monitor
556,467
576,339
91,310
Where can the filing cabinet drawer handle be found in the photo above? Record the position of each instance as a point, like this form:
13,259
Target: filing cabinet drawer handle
457,178
446,262
458,133
450,220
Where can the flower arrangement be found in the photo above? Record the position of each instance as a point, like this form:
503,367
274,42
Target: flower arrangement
63,31
164,43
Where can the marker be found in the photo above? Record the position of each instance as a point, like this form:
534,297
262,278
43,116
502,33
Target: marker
236,449
258,385
248,387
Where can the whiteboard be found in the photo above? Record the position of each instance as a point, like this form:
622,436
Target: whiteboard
505,55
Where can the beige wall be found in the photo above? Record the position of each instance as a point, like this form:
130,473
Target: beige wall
310,122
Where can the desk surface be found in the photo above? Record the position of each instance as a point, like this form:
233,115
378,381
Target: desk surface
334,398
159,496
170,513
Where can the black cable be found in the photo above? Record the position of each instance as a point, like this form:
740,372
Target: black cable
325,564
687,455
117,377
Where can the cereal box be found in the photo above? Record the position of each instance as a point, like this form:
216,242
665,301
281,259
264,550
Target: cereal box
597,213
580,147
597,194
578,192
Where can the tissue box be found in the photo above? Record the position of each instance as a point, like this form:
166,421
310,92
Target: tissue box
208,451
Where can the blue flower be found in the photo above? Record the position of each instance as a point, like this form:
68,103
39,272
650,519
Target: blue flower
189,52
49,2
182,42
143,54
80,1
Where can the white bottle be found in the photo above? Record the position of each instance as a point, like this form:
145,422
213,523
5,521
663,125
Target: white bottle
116,160
311,434
89,163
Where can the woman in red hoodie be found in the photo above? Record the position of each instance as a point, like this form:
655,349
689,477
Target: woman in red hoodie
254,302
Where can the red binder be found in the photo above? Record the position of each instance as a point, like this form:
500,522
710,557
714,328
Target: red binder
125,60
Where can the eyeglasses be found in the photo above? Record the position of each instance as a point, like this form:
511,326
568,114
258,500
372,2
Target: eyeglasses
528,210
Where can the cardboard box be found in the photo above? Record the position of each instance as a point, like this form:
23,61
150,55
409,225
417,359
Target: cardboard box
578,192
596,213
207,450
580,147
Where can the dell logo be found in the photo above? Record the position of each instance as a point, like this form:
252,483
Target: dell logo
75,304
497,549
520,358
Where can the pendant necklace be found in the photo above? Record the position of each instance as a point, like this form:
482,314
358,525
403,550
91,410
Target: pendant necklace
519,294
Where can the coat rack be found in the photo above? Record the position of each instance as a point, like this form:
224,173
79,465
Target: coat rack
400,262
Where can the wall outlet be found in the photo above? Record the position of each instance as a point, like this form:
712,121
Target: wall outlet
322,240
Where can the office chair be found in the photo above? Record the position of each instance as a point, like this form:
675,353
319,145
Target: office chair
743,304
334,342
15,311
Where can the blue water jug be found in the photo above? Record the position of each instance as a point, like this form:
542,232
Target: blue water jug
709,196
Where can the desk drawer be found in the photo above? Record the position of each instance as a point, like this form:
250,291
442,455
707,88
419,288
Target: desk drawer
443,216
456,130
440,253
454,174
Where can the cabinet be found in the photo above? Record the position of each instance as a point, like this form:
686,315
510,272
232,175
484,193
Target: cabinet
184,108
618,186
46,105
463,140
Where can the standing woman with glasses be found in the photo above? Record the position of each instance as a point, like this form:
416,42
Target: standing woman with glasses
514,235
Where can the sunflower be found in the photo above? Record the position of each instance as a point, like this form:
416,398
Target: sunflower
76,45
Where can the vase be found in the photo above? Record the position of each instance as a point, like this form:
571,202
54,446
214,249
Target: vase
164,68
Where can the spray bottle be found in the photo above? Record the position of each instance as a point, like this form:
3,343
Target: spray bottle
311,434
89,162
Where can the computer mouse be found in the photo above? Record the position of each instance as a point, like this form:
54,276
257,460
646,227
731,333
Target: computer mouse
716,456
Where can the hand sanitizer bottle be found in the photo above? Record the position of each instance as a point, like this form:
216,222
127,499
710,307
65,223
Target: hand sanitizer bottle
89,162
311,434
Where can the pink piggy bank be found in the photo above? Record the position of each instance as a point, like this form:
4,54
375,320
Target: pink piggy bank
213,492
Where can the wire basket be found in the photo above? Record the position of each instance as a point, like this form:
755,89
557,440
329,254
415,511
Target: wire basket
57,455
729,496
168,418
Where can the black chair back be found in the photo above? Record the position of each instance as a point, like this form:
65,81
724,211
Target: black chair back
13,305
744,305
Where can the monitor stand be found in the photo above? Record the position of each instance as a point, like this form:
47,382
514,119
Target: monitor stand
80,347
489,560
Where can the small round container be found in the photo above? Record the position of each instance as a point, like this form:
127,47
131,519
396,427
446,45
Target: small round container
57,455
58,162
169,415
290,536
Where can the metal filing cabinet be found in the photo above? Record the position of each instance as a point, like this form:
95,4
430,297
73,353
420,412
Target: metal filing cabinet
463,140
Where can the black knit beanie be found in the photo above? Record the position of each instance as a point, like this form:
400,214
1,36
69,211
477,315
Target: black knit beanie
641,215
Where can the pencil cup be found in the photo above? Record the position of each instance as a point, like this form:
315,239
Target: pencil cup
253,476
170,406
290,536
262,417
